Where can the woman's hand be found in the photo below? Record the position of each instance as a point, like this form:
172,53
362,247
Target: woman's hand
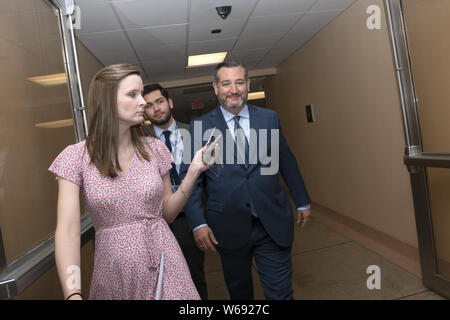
205,157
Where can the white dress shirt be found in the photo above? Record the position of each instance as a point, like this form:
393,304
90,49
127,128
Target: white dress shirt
244,121
176,142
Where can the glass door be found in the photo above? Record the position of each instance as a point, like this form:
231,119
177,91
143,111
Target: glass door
421,46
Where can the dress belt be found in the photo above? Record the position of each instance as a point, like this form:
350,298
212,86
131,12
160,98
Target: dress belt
154,230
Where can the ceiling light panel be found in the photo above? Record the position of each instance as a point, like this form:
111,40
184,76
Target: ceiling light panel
256,95
50,79
206,59
145,13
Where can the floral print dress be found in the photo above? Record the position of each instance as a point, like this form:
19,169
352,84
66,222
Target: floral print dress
136,254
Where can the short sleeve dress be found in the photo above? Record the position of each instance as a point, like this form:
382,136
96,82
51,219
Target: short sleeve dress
136,255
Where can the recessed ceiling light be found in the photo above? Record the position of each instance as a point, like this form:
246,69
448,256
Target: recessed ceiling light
50,80
206,59
256,95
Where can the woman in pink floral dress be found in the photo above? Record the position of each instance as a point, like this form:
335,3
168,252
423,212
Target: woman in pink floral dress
126,186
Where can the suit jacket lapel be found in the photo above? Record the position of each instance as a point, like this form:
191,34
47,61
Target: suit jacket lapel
218,121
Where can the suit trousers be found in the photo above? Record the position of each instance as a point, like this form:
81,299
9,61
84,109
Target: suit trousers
273,264
195,257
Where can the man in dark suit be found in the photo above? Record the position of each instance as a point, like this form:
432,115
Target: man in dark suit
159,112
248,214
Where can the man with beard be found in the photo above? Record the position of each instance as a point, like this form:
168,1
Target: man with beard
248,214
159,111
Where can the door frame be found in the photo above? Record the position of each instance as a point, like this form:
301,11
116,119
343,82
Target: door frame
415,159
19,274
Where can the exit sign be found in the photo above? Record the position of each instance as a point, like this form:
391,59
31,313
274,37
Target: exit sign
196,105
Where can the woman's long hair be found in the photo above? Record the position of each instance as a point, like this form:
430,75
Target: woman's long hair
102,139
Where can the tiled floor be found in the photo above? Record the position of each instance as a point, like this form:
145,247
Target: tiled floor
328,265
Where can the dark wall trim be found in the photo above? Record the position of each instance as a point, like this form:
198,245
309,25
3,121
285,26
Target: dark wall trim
22,272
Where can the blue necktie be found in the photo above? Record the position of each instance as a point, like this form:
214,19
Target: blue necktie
174,177
239,135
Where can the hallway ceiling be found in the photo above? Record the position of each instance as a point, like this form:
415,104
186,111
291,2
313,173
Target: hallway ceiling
158,36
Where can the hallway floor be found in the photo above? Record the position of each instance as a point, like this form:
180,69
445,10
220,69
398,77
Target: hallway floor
329,266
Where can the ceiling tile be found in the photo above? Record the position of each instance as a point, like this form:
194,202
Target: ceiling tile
257,41
124,54
322,5
103,41
287,46
250,64
97,17
306,28
48,26
313,21
270,24
205,10
164,67
148,52
144,13
273,7
200,71
174,64
273,59
269,63
156,31
157,36
248,55
203,47
201,31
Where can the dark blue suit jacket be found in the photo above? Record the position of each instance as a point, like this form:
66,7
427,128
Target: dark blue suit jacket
231,196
